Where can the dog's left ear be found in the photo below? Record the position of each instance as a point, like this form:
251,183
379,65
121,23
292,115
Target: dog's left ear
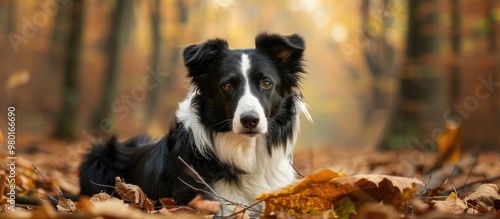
286,51
199,57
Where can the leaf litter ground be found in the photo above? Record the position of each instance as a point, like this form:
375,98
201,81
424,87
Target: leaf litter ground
357,184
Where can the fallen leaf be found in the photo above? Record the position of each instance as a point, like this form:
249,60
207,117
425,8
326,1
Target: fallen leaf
134,194
3,181
316,193
17,78
100,197
65,205
452,204
168,203
206,205
178,210
485,196
114,208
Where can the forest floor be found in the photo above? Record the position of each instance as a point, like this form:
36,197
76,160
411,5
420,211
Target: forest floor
44,165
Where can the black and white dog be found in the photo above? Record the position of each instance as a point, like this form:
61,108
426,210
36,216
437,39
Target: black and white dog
237,127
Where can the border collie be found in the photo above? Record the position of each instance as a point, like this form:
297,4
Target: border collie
236,128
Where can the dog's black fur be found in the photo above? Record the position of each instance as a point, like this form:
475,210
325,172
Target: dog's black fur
155,166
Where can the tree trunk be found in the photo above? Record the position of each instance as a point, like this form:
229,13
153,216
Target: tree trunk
11,16
116,37
455,73
420,106
67,118
155,59
495,70
176,52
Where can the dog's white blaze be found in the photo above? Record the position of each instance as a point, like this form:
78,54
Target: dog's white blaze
248,102
263,171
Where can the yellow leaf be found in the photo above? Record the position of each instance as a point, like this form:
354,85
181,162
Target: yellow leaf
318,192
452,204
17,78
450,142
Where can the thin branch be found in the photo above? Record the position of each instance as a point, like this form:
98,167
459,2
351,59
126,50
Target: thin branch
244,209
476,158
220,197
203,181
53,186
205,191
107,186
296,170
425,187
102,185
475,182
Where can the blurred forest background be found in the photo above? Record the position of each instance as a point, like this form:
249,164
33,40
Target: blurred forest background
381,73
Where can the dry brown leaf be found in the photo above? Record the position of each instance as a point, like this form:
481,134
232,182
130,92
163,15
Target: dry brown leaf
316,193
3,182
114,208
181,210
168,203
100,197
133,193
452,204
205,205
485,196
65,205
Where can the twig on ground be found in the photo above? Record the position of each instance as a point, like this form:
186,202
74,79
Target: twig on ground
244,209
205,191
426,186
476,158
472,183
102,185
107,186
220,197
53,186
203,181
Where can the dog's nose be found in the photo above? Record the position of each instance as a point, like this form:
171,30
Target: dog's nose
249,120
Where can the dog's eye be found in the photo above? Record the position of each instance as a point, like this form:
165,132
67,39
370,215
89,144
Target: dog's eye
266,84
227,87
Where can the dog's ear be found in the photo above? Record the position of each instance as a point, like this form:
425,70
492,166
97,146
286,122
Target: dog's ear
198,54
286,51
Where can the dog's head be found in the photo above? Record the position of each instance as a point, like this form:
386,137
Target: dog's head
242,90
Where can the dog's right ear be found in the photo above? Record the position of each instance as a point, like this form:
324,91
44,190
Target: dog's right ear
195,56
